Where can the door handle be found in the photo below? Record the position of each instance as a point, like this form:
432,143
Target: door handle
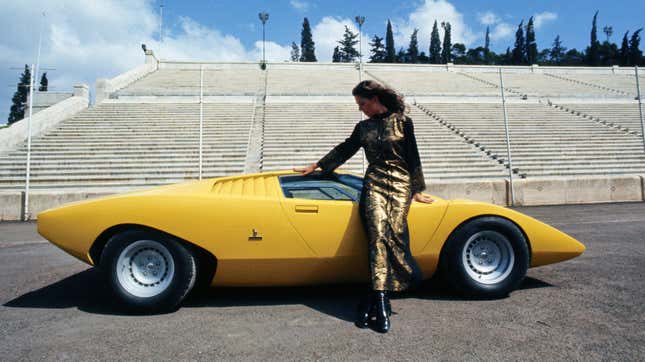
307,208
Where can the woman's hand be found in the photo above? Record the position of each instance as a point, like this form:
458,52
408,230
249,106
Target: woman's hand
307,170
419,197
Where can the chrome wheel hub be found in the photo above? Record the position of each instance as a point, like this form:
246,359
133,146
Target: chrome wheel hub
145,268
488,257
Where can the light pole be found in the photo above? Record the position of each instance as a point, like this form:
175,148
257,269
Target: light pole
360,20
264,16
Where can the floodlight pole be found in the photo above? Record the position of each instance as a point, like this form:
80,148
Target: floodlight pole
201,118
264,16
28,168
360,20
640,103
160,26
508,139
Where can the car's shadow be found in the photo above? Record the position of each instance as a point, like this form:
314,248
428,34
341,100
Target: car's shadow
88,292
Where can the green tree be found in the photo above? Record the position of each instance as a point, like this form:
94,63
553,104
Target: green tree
413,48
447,44
593,57
435,45
458,53
608,53
402,56
635,53
519,51
487,46
43,83
335,58
623,53
348,52
378,50
557,52
307,45
531,45
389,44
19,99
295,52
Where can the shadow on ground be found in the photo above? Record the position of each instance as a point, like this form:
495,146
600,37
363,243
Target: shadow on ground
88,292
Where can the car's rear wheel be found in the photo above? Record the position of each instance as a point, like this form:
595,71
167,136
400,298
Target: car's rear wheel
148,271
485,257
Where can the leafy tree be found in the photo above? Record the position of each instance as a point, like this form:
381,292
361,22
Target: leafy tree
435,45
574,57
402,56
389,44
623,53
336,56
543,56
295,52
474,56
413,49
19,99
635,53
487,46
347,51
531,45
458,54
557,52
423,58
447,44
608,53
593,57
43,83
378,50
518,50
307,45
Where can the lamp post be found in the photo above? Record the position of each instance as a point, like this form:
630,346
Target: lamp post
264,16
360,20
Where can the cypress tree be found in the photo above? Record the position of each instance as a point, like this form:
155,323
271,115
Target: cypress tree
635,53
19,99
295,52
623,53
378,50
557,52
413,49
43,83
435,45
447,44
307,46
389,44
518,50
593,57
347,51
531,45
487,45
336,56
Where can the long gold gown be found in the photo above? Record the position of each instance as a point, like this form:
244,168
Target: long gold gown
393,176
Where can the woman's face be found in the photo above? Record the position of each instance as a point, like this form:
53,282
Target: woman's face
370,106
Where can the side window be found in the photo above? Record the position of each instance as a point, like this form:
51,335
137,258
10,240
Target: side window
312,194
314,188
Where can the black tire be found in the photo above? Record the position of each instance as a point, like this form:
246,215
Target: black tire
486,257
149,272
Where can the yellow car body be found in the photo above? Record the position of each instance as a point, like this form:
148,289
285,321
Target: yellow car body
260,237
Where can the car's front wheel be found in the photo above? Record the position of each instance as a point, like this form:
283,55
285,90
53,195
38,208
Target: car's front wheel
148,271
485,257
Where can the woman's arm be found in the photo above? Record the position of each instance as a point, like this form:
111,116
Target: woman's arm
413,160
342,152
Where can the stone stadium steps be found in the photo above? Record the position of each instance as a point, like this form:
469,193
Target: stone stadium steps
624,84
544,141
424,82
141,144
313,81
625,117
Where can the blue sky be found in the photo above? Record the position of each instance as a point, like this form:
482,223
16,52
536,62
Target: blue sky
86,40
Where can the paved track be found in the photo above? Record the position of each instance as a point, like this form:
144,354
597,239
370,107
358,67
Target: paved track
589,308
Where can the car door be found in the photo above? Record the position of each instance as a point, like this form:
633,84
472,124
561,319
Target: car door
325,214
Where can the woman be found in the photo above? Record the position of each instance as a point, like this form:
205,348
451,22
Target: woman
392,180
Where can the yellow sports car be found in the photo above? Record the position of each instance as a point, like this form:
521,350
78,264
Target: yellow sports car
281,228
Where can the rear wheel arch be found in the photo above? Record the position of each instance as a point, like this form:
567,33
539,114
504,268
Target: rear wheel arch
206,262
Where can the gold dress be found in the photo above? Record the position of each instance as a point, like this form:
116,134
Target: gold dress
393,176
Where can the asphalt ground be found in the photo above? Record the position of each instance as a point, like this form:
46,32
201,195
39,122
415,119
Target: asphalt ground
589,308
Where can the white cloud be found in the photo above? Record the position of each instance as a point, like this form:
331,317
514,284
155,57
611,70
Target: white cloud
488,18
544,17
300,5
423,18
502,31
329,31
83,41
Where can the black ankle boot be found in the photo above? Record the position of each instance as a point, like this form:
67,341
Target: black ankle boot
382,323
365,311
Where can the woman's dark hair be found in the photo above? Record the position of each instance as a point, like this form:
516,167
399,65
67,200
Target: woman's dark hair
388,97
